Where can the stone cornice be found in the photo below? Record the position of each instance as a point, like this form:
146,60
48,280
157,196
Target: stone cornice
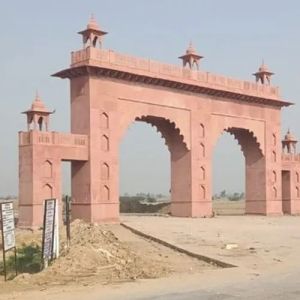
106,63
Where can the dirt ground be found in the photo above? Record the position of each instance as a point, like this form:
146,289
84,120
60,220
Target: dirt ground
105,254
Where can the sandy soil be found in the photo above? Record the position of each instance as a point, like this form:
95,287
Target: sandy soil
103,254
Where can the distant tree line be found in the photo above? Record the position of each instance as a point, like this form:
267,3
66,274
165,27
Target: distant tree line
230,196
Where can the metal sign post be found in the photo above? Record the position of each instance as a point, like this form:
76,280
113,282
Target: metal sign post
48,230
8,233
68,212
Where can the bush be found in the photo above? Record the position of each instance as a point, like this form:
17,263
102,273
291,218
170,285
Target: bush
28,260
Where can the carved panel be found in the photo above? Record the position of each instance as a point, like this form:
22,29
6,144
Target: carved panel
105,143
274,176
105,171
47,191
104,121
105,193
202,173
274,192
202,150
202,192
47,169
274,158
274,140
202,131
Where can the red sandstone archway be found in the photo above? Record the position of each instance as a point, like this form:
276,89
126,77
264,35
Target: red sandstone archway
174,140
108,91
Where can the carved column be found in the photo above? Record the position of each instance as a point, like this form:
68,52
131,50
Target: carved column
95,183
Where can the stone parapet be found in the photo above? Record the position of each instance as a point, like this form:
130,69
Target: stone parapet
69,146
113,60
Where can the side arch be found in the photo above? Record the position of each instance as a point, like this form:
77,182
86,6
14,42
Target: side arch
253,130
247,141
255,168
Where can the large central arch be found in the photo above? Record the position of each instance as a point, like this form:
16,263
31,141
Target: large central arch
179,153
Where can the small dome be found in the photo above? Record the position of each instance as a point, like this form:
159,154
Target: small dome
263,68
38,105
92,24
191,49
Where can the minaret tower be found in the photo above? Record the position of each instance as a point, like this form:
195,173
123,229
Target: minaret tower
92,35
191,57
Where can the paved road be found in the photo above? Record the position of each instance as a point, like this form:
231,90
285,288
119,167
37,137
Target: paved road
279,288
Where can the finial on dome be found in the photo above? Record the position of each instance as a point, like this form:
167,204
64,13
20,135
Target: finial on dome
191,57
263,75
37,96
92,24
191,49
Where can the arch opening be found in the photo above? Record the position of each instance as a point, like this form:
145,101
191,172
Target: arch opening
146,165
235,171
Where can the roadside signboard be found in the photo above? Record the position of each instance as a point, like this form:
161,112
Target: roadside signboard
48,229
8,231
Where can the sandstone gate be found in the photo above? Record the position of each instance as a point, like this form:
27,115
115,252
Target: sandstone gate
190,108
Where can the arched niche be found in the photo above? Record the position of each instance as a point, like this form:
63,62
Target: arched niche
104,171
104,121
47,169
105,143
47,191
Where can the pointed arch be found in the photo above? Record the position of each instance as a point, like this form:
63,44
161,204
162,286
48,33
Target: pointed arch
202,130
202,173
274,192
47,191
104,121
105,171
202,192
202,150
47,169
105,143
105,193
274,176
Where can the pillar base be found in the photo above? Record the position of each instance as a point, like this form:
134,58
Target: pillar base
30,216
263,207
291,207
191,209
96,212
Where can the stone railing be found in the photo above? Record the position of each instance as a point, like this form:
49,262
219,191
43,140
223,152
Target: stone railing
290,157
52,138
101,57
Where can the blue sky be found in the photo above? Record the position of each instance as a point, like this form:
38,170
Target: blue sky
233,35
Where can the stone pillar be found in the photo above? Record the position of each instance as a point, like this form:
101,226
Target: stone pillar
286,191
263,175
95,184
295,189
291,188
191,175
39,176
